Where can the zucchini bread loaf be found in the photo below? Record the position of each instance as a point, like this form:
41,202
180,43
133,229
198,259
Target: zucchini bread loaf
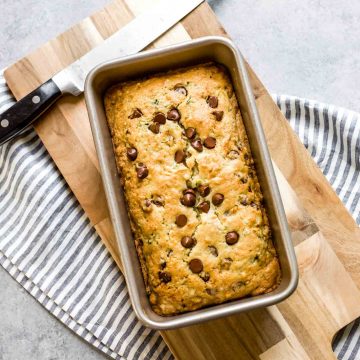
193,197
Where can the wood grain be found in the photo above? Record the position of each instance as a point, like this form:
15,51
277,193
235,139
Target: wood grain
325,235
316,310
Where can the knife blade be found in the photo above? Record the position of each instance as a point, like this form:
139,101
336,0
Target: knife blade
132,38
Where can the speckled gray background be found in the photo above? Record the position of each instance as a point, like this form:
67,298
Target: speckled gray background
309,48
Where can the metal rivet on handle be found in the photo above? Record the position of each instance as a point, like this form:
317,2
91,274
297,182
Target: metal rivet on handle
36,99
4,123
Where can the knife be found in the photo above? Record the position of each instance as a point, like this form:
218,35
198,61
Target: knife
130,39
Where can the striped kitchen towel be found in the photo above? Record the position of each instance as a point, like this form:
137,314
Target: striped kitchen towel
48,245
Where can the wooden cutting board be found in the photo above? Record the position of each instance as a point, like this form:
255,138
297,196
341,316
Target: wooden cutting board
327,239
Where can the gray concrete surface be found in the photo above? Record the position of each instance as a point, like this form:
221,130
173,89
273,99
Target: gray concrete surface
308,48
27,331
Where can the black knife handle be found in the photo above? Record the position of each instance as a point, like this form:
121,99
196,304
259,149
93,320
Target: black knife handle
27,110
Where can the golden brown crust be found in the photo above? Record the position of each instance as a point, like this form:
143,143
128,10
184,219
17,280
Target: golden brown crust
247,267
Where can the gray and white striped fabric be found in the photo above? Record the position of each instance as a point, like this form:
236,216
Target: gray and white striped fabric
332,136
48,245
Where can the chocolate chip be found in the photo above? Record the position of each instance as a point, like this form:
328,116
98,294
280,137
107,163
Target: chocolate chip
205,277
180,89
236,286
213,250
159,118
210,291
210,142
232,237
246,157
244,200
204,190
230,91
131,153
135,114
158,200
142,171
217,199
188,242
190,132
189,191
204,206
164,277
173,115
212,101
179,156
233,154
254,205
218,115
197,145
181,220
154,127
196,266
163,265
188,200
146,205
226,263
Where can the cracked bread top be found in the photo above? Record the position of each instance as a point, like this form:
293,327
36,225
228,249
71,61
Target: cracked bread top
193,197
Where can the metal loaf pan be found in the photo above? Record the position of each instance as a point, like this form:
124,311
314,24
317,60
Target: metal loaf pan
197,51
